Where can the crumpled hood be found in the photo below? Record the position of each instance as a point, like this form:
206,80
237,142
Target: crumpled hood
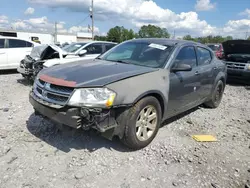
236,47
91,73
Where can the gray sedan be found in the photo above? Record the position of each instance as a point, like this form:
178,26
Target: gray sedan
131,89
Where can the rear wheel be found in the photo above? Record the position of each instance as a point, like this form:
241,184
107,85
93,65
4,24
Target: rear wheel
143,121
216,95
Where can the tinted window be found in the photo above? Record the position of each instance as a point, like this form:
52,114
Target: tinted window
109,46
73,47
204,56
186,56
94,49
29,44
1,43
14,43
214,47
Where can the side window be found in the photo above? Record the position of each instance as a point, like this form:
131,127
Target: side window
204,56
15,43
186,55
2,43
94,49
29,44
108,46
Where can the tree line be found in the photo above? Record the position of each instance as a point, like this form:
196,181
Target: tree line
119,34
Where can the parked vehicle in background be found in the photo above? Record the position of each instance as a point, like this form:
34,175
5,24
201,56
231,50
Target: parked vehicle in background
237,59
218,49
51,55
93,48
39,54
13,50
131,89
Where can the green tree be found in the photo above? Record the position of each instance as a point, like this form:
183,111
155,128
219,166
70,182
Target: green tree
248,38
187,37
120,34
100,38
152,31
229,38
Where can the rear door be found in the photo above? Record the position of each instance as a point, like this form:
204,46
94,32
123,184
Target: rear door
184,85
16,50
3,55
206,71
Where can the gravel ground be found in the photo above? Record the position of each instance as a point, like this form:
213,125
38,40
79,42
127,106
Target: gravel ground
34,153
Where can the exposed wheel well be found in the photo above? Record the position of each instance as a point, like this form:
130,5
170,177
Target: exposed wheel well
223,80
159,98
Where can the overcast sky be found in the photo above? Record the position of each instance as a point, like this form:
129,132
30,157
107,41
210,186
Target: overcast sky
194,17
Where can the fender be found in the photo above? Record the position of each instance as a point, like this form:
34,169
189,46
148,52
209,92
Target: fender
157,94
220,76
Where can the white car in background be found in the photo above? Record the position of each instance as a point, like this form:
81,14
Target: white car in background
46,56
13,50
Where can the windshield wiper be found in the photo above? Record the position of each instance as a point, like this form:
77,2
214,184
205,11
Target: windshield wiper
121,61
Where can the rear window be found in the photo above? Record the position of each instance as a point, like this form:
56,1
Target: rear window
214,47
1,43
29,44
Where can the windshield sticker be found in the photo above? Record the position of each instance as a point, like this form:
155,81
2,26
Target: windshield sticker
158,46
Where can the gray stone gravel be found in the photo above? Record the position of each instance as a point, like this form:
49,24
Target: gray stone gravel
35,153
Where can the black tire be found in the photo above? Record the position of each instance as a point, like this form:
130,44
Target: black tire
130,138
217,94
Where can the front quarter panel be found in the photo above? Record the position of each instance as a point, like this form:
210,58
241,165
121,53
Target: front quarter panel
130,90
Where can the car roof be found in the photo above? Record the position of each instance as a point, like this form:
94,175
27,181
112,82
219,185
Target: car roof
101,42
166,41
7,37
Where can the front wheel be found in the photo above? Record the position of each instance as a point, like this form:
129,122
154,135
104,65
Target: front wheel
217,94
143,121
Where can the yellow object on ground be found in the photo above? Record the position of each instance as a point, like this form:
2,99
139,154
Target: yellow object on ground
204,138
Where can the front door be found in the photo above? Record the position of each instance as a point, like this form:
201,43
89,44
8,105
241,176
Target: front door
185,86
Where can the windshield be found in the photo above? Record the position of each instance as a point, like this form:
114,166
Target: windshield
139,53
73,47
214,47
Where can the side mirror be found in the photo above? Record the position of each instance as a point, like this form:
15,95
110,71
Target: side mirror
181,67
82,53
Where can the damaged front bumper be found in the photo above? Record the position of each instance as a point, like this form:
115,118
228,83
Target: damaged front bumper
24,70
75,117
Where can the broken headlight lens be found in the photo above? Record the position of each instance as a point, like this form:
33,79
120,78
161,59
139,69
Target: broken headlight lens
92,97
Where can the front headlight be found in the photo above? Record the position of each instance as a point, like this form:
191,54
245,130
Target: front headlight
248,66
92,97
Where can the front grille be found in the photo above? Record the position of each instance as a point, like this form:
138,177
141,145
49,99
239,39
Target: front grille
235,65
51,93
62,88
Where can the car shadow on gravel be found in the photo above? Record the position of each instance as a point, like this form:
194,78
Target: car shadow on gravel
3,72
180,116
25,82
67,139
239,83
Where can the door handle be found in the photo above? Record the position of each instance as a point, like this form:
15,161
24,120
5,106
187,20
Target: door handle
197,73
215,68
